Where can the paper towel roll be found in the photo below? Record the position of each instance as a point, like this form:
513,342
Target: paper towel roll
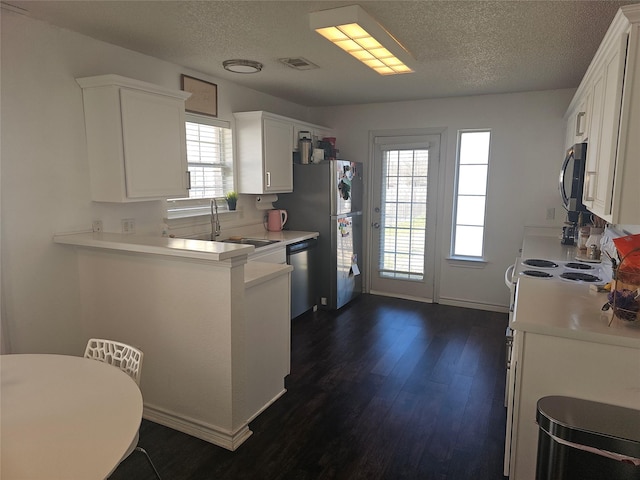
265,202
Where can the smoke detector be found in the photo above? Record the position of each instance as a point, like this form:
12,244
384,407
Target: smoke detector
298,63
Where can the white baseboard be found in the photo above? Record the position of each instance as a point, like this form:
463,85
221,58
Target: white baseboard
210,433
404,297
455,302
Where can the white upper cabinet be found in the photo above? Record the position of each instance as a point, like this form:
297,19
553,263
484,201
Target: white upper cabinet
135,139
578,121
264,156
606,90
611,87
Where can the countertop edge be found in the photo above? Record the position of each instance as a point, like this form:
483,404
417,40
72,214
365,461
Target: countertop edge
256,273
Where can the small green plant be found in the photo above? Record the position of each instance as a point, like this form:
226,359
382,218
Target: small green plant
232,199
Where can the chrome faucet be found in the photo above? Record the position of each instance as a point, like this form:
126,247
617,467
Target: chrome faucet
215,221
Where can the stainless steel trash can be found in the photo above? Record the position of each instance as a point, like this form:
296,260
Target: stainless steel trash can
585,440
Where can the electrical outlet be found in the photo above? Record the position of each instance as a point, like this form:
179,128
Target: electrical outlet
128,225
97,226
551,213
323,301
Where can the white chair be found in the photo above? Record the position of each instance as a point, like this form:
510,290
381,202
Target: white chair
129,360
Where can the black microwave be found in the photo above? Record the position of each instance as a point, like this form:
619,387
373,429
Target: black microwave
572,178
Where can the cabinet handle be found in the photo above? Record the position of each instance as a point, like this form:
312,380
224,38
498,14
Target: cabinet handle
579,125
268,179
587,187
188,180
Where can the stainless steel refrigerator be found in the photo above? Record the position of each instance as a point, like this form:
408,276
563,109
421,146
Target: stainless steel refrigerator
327,198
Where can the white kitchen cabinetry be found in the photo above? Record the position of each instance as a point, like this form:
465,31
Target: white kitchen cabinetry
550,365
136,140
612,85
606,90
277,255
578,121
264,153
268,337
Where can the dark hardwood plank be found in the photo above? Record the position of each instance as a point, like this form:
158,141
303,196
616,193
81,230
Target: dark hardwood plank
382,389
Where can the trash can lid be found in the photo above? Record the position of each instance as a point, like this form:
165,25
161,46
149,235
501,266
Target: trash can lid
593,424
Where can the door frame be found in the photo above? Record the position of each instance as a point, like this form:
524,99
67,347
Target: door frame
439,210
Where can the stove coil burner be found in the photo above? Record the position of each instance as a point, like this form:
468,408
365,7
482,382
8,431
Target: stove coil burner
536,273
539,263
580,277
579,266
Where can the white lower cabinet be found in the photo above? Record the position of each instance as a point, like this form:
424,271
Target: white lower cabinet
268,336
550,365
136,140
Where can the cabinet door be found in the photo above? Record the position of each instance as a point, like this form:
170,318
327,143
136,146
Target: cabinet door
603,134
154,144
278,161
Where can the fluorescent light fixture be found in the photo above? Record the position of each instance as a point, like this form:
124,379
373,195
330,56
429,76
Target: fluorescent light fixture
357,33
242,66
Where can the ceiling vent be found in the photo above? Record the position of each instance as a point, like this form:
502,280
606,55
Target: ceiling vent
298,63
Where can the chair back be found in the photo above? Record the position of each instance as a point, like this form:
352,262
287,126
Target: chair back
125,357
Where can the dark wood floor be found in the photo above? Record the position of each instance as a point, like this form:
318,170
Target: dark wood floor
383,389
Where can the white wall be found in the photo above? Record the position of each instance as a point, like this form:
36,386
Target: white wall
45,176
526,152
45,183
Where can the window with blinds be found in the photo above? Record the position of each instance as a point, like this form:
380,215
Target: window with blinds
471,193
404,213
210,164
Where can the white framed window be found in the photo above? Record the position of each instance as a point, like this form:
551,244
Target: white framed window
210,164
469,211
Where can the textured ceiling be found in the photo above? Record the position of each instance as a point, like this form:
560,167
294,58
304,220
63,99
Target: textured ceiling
460,47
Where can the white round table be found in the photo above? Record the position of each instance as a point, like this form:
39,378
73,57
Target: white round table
64,417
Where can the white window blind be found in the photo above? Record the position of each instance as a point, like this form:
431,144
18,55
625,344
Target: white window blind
210,164
404,214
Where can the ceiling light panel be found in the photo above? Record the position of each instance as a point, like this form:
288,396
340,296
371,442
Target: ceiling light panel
357,33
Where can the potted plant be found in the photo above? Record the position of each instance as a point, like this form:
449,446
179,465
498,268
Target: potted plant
232,200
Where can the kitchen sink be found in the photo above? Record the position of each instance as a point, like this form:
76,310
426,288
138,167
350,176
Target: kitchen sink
250,241
256,242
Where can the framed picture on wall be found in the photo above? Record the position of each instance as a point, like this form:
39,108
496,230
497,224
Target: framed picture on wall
204,96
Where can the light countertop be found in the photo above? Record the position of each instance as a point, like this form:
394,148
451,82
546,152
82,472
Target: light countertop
566,309
569,310
178,247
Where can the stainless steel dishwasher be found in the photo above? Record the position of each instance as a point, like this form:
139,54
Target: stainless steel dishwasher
302,257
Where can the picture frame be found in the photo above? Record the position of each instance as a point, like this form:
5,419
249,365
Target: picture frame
204,96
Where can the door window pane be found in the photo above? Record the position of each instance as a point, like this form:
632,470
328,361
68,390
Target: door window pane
404,207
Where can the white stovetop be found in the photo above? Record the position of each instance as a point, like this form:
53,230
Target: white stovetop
566,309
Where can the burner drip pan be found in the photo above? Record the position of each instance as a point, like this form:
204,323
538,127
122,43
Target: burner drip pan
540,263
580,277
536,273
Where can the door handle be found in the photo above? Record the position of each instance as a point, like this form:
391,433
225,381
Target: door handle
375,225
268,179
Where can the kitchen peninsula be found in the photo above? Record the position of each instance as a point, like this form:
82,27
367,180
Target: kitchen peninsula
214,328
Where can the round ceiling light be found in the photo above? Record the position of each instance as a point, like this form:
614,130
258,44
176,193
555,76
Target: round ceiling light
242,66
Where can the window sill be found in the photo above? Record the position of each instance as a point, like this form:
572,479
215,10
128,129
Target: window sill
467,262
